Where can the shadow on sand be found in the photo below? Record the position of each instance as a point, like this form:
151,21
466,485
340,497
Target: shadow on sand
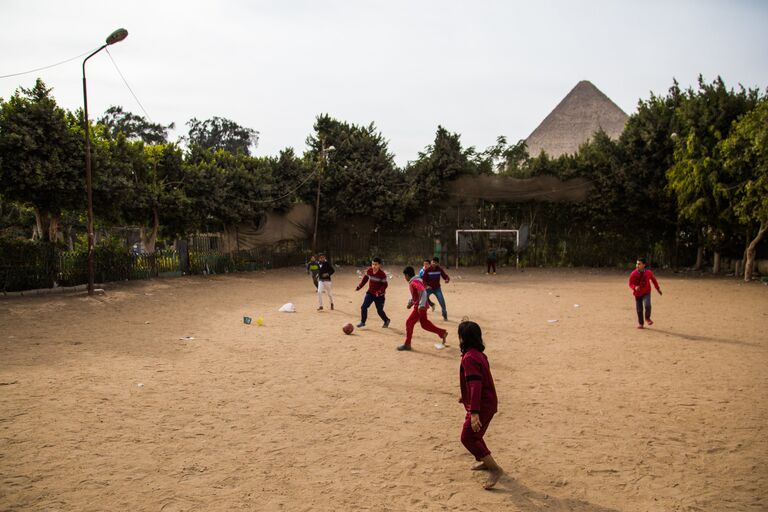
528,500
693,337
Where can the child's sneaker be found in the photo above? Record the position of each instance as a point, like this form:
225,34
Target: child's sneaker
649,321
439,346
640,326
320,308
361,324
404,347
386,324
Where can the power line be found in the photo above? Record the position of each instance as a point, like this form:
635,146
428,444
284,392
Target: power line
46,67
289,193
128,86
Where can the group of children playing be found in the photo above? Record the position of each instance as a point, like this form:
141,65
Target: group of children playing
478,393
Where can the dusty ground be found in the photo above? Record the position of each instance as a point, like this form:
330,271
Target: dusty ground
104,407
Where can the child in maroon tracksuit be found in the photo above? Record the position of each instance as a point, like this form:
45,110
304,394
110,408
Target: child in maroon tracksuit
640,281
478,394
377,286
418,302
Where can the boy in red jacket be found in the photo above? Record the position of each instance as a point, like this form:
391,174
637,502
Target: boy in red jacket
377,285
478,394
418,301
640,281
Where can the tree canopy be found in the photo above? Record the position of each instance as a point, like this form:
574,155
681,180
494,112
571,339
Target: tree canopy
221,133
687,175
134,127
41,156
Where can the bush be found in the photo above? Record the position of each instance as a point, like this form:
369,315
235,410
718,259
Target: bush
27,264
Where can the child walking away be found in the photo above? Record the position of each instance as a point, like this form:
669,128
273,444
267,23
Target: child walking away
432,277
377,285
478,394
418,301
640,281
324,273
490,261
313,267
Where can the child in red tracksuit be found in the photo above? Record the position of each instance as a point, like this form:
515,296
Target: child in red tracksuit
418,301
640,281
478,394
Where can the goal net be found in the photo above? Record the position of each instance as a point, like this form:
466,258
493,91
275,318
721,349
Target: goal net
474,246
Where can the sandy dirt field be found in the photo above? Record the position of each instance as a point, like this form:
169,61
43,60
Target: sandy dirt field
104,407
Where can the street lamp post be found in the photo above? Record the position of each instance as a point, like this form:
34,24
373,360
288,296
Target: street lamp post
323,160
115,37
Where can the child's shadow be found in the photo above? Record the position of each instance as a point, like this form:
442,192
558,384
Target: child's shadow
692,337
528,500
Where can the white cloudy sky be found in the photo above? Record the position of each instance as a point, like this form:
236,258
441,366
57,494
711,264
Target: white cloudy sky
481,69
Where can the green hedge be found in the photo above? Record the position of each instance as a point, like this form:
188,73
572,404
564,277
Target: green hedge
27,265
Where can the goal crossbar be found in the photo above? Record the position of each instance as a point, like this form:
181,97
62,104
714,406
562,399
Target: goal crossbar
515,231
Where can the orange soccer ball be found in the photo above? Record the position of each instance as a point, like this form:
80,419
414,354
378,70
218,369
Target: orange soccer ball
348,329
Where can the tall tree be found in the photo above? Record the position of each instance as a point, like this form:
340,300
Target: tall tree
505,159
226,189
696,177
291,176
647,145
133,126
442,161
41,156
359,177
152,178
745,156
220,133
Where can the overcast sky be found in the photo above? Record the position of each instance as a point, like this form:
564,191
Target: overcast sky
481,69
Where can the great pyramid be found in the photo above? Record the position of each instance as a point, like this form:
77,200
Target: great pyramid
574,120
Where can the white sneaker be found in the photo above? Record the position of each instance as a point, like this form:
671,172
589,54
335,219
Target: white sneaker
439,346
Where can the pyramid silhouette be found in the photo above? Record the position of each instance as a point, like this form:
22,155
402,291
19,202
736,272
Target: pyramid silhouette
575,120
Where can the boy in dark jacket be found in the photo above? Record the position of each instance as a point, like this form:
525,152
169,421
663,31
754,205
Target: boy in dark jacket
431,279
324,274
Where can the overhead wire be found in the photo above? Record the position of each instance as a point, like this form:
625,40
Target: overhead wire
47,67
128,86
274,200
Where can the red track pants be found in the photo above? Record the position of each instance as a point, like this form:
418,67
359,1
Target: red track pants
419,315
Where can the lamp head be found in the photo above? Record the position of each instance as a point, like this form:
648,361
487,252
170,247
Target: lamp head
117,36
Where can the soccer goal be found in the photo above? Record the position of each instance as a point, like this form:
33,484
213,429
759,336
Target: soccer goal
468,246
